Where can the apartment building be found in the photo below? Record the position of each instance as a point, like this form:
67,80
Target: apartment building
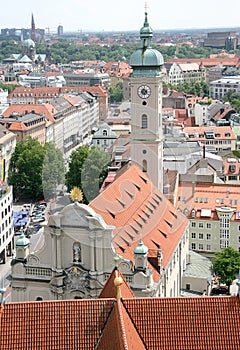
215,138
220,87
186,72
213,211
7,147
6,226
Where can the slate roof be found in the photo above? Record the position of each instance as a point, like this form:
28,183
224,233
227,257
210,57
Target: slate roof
191,323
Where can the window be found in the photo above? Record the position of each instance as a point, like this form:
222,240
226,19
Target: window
200,246
208,236
144,166
144,121
209,247
193,224
200,225
193,234
104,133
193,246
188,286
200,236
208,225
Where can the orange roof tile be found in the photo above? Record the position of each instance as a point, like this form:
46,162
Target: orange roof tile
45,109
124,334
137,208
205,196
192,323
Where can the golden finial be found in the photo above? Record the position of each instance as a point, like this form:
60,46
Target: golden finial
118,281
76,194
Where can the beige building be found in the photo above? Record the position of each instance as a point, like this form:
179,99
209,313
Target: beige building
213,211
7,147
185,73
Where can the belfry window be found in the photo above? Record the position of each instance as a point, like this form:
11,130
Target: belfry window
144,121
144,166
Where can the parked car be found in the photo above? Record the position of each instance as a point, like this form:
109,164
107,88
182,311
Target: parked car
38,218
218,290
37,227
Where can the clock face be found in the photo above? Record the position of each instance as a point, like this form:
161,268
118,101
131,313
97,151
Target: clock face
144,91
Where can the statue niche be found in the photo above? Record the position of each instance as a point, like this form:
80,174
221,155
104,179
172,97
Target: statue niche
77,252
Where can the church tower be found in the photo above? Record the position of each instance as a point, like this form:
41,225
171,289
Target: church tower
146,107
33,29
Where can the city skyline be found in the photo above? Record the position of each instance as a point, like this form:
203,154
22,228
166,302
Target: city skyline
104,16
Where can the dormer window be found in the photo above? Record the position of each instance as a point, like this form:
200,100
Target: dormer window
105,132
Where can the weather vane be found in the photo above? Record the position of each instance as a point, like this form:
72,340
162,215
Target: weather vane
146,6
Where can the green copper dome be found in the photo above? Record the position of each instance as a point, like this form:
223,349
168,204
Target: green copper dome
22,241
146,60
28,42
141,249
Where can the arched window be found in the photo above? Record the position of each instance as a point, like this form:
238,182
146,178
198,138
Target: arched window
104,133
144,121
39,298
144,165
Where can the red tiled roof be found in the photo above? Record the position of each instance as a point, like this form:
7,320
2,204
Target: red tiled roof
124,334
207,62
205,196
198,323
219,132
192,323
45,109
137,208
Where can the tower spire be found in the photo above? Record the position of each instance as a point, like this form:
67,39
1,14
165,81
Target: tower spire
33,29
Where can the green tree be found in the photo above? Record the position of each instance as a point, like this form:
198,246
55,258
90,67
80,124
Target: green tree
9,87
94,171
87,171
53,173
25,170
74,174
116,93
226,265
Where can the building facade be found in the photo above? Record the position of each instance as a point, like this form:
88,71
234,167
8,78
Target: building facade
220,87
6,227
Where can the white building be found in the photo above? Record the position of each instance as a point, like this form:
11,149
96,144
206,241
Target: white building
6,227
104,137
219,88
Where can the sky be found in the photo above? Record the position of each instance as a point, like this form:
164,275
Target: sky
123,15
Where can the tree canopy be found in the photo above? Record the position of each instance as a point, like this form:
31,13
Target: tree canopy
66,51
87,171
116,93
226,265
234,98
25,170
53,173
195,88
35,170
